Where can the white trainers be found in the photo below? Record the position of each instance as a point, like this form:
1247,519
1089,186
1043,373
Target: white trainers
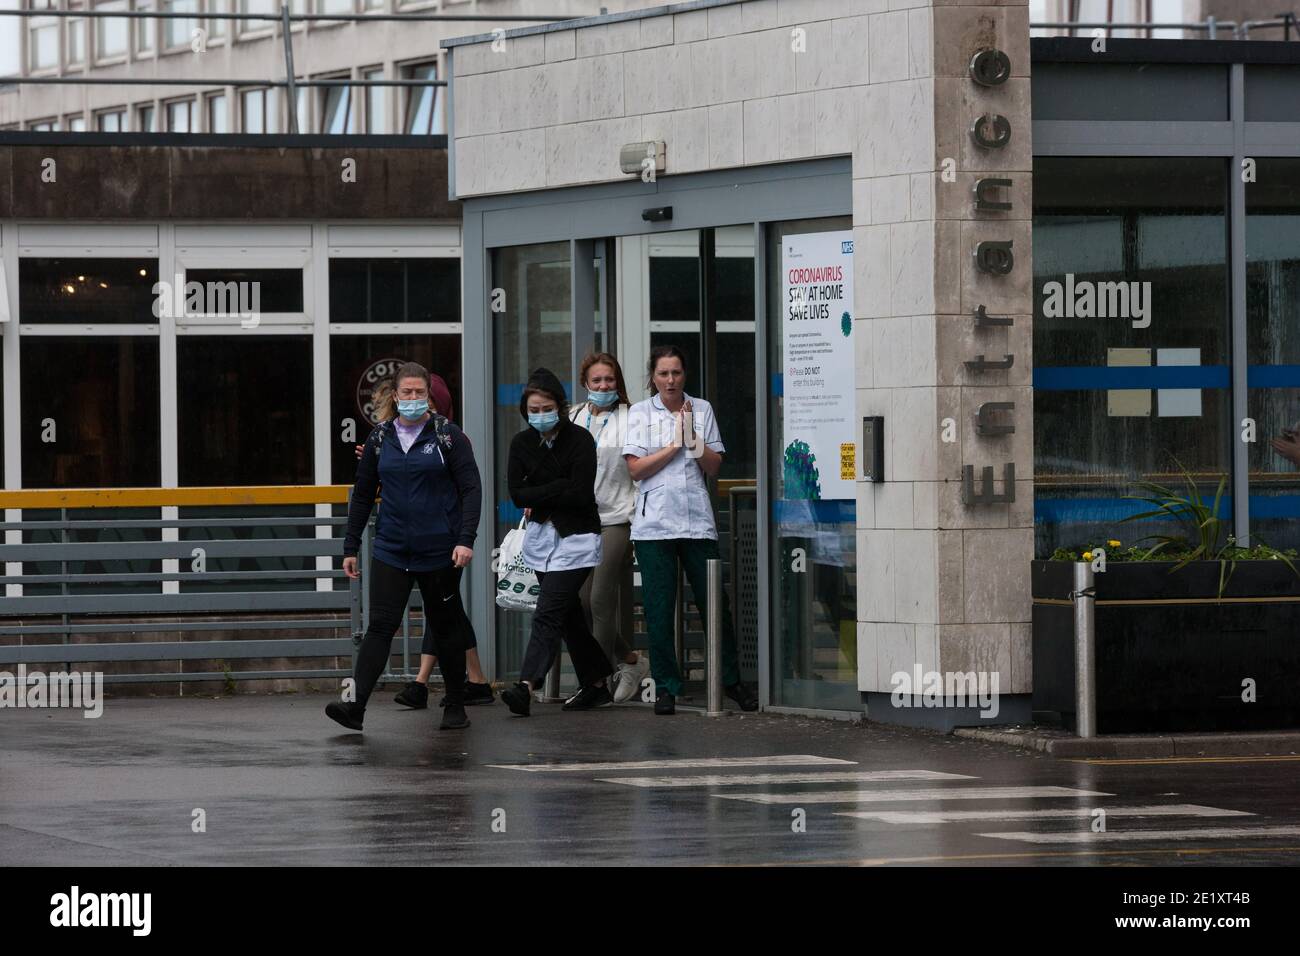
629,678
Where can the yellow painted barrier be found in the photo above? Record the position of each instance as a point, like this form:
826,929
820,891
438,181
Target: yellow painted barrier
184,497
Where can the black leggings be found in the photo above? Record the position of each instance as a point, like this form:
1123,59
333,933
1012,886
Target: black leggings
390,589
457,609
559,618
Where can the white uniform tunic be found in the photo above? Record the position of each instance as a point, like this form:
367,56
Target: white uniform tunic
615,490
546,550
674,501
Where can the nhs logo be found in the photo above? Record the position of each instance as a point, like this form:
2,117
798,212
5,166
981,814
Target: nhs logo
846,246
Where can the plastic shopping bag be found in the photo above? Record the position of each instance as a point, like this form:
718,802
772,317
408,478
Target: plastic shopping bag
517,586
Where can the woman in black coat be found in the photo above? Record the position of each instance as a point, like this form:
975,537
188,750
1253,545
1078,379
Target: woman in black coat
552,475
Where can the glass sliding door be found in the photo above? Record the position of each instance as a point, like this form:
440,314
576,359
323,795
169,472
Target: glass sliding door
532,326
812,522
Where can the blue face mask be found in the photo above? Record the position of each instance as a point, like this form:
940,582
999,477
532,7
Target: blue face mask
544,421
413,408
603,399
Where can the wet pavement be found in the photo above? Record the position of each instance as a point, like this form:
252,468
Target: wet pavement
273,782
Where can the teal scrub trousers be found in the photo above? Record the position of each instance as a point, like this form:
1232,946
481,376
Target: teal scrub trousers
658,563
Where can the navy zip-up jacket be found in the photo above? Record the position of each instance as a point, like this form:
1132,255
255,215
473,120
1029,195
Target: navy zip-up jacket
432,496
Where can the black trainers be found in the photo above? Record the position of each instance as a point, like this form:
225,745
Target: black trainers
518,698
349,715
478,694
589,698
665,703
453,717
414,695
743,696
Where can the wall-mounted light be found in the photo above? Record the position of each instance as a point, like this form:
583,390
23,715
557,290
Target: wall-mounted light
658,214
632,157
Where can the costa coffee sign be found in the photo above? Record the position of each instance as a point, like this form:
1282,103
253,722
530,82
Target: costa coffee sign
375,373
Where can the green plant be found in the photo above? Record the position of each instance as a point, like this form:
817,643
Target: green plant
229,678
1208,537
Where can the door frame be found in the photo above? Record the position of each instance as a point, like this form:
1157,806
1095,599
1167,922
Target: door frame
582,215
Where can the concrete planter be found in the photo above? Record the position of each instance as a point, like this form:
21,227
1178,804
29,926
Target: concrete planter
1170,654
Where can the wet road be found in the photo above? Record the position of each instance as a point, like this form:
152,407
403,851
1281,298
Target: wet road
272,781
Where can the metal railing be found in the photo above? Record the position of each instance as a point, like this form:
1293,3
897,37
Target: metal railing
290,83
1213,27
76,578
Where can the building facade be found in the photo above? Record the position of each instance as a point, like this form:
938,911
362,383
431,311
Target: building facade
927,373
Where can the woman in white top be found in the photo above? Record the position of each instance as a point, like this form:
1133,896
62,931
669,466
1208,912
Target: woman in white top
551,472
607,595
673,447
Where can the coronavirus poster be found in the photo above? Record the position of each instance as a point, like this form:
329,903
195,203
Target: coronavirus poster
819,406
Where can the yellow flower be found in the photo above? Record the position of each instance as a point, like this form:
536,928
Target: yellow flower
1112,543
1087,555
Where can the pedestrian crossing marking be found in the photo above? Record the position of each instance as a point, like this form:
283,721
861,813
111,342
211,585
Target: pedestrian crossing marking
1123,836
738,780
957,816
891,796
684,763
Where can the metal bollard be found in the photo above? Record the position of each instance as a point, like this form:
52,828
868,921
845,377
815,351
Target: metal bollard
1085,658
552,687
713,639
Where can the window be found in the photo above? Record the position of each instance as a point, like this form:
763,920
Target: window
75,123
360,362
813,605
43,43
111,121
90,411
217,26
245,402
535,329
86,291
333,6
11,40
76,33
44,125
376,102
145,120
178,32
336,112
252,111
218,121
261,110
260,6
423,104
270,290
1273,350
1132,394
394,290
144,28
180,116
110,34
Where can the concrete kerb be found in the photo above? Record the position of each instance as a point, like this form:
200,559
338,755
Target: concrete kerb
1060,744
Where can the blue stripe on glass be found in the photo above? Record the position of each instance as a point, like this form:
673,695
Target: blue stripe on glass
1092,377
1063,510
795,511
1273,376
778,384
509,394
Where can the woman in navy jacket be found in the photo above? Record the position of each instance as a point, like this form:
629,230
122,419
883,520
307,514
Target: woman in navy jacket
424,536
